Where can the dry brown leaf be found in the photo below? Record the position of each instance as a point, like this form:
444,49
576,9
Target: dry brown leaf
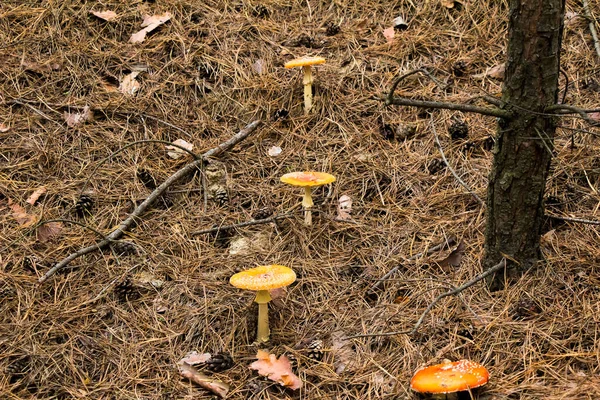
75,119
344,209
454,258
496,72
38,67
277,370
389,34
176,151
343,355
129,85
23,218
4,128
36,195
193,358
49,231
447,3
150,23
259,66
274,151
105,15
215,386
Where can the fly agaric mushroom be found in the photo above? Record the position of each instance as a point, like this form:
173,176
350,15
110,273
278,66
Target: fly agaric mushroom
306,63
307,180
447,379
262,279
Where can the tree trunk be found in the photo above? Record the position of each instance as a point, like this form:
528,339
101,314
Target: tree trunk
524,144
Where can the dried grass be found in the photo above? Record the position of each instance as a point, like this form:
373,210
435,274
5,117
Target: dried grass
200,79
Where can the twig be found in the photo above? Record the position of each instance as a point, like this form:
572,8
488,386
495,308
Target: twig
452,292
578,220
588,15
139,210
572,110
492,112
242,224
446,243
462,183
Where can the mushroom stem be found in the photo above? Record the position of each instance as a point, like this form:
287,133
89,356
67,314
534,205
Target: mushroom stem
307,203
307,81
263,332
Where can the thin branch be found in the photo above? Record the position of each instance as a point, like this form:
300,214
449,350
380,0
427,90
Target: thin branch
242,224
588,15
492,112
452,292
139,210
462,183
446,243
578,220
573,110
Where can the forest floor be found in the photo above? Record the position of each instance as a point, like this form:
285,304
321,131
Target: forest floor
114,324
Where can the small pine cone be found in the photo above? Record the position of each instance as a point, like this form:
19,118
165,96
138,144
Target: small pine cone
387,131
261,11
32,262
125,248
525,309
331,29
458,130
436,166
315,350
126,289
6,292
293,361
221,196
18,367
281,114
146,178
255,387
263,213
84,205
221,238
459,68
220,362
165,201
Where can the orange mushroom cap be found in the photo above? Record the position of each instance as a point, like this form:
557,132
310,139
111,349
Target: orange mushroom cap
307,178
264,277
449,377
304,61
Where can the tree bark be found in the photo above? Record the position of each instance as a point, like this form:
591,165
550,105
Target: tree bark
524,143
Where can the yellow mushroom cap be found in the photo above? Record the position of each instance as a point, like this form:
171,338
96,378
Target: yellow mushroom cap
449,377
304,61
264,277
307,178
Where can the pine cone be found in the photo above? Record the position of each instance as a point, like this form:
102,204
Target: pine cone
126,290
293,361
125,248
331,29
30,263
525,309
220,362
18,367
6,292
221,196
459,68
146,178
281,114
261,11
315,350
165,201
387,131
263,213
436,166
458,130
84,205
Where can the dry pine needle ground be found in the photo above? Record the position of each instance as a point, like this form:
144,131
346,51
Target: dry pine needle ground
211,69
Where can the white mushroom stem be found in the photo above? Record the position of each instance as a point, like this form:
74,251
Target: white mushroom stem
307,81
307,203
263,332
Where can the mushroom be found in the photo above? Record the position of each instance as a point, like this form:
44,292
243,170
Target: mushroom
262,279
307,180
306,63
445,380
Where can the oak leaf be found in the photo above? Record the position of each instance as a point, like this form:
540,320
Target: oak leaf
105,15
150,23
36,195
276,369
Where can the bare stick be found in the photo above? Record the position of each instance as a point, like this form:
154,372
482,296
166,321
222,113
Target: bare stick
578,220
492,112
446,243
139,210
588,15
572,110
462,183
452,292
242,224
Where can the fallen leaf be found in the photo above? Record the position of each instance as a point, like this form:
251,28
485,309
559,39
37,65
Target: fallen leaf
573,19
4,128
594,116
389,34
343,355
193,358
49,231
36,195
259,66
75,119
150,23
38,67
274,151
23,218
344,208
105,15
454,258
277,370
129,85
496,72
177,152
215,386
448,3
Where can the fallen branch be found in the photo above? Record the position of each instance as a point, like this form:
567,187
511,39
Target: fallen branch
578,220
446,243
590,18
135,215
452,292
241,224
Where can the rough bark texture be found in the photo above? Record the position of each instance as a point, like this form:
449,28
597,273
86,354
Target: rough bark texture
523,151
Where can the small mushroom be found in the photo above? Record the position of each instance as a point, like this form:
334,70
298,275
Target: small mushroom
445,380
306,63
307,180
262,279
